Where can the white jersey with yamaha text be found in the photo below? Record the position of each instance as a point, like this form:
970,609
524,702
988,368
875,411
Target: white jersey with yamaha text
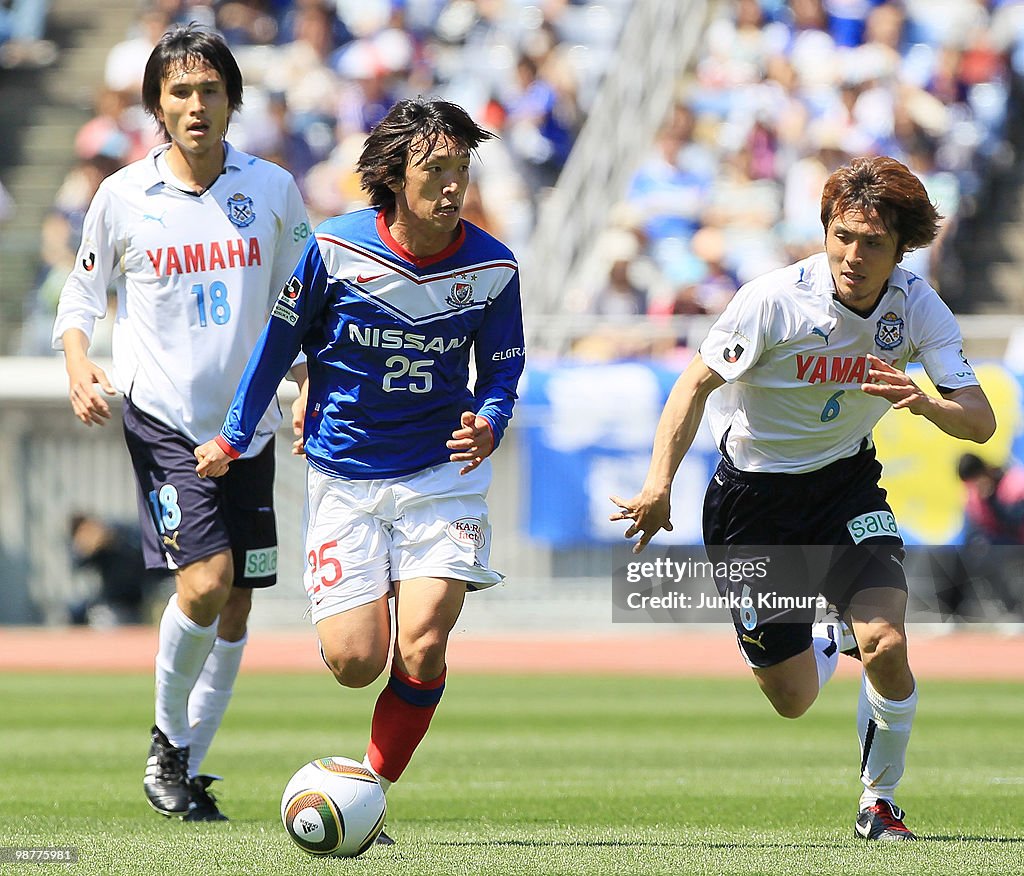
196,276
794,359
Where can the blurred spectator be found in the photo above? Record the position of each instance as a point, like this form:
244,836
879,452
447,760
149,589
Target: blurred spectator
619,296
301,72
59,241
246,22
994,529
22,25
126,61
714,290
113,552
371,72
944,190
670,187
541,123
801,210
116,131
995,501
288,11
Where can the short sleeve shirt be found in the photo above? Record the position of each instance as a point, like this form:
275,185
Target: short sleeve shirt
794,358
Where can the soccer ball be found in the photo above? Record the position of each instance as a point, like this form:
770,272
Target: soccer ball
333,807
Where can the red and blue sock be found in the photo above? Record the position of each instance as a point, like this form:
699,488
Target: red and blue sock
400,721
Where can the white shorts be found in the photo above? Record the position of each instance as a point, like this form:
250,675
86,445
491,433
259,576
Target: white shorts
362,535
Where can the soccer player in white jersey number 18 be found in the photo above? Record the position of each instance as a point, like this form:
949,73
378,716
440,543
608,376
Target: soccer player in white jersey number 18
389,304
198,239
795,374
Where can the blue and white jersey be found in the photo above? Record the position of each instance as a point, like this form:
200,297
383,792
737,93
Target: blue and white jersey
388,338
794,360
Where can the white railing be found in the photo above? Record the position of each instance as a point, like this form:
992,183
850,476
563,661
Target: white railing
658,43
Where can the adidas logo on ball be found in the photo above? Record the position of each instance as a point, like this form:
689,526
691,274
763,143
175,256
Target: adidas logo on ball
333,807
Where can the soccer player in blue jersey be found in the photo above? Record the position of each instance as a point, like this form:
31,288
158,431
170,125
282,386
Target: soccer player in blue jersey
389,304
795,374
198,238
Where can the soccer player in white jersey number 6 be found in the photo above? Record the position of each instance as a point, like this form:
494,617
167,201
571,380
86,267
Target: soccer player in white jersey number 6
389,304
795,374
198,239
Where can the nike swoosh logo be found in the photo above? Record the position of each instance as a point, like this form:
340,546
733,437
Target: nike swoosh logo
361,278
863,829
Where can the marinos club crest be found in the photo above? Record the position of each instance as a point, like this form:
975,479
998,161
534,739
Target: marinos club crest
461,295
240,210
889,331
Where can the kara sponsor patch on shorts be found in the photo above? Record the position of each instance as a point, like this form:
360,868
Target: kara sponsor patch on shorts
872,525
261,562
468,531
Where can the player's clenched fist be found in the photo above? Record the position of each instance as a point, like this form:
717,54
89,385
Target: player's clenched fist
211,460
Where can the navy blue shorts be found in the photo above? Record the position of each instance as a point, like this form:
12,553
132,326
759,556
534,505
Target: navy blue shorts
186,518
828,532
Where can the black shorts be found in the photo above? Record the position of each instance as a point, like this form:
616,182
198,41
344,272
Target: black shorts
186,518
828,533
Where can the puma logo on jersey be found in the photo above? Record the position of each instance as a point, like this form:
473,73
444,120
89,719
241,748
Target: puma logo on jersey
149,217
171,541
821,333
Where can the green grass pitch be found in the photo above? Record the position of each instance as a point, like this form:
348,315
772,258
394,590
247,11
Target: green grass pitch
524,775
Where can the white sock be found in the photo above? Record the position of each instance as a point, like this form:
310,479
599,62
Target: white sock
884,729
184,647
826,653
210,697
385,784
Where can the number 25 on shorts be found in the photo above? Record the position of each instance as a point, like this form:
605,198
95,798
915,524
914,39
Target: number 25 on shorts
324,569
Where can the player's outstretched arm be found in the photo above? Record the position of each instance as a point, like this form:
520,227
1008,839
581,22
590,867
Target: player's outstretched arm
472,442
84,376
965,413
649,511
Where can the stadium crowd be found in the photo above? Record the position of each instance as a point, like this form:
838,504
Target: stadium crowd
320,73
783,93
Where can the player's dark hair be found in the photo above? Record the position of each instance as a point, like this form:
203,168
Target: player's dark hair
882,187
186,47
411,125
